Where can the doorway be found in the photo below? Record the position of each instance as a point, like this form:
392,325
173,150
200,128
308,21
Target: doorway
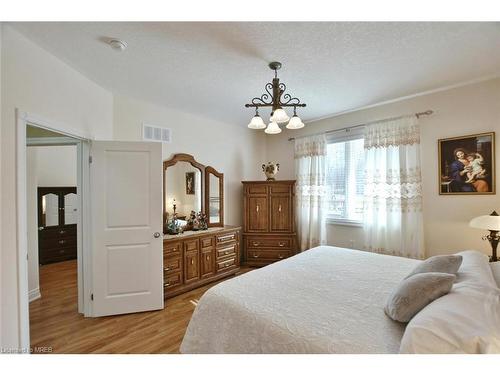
117,230
54,225
52,203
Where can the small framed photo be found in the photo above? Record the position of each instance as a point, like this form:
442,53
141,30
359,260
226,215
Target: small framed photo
467,164
190,183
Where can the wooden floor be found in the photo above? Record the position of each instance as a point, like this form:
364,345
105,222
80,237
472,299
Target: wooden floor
55,323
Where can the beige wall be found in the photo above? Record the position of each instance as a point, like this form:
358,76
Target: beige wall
231,149
38,83
460,111
46,166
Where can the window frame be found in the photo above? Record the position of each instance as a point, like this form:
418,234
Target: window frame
341,136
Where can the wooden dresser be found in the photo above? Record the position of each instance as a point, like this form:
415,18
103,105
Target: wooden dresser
193,259
268,221
57,232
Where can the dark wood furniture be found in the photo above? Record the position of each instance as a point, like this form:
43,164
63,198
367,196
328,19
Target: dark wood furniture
268,221
197,258
57,238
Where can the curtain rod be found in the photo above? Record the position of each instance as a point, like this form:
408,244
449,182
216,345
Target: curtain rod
418,115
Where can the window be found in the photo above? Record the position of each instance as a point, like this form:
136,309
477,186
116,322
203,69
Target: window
345,178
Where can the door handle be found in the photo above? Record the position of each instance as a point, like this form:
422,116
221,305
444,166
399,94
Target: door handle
279,208
156,235
257,208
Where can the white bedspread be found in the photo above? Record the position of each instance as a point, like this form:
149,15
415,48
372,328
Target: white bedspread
325,300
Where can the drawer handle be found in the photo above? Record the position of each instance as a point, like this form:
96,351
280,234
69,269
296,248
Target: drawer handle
61,251
256,255
166,284
192,261
279,208
62,242
280,256
62,231
208,257
256,244
257,208
166,269
226,238
282,244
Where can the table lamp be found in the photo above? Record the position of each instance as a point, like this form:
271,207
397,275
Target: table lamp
492,223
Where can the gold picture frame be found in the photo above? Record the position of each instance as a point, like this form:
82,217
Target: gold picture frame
467,165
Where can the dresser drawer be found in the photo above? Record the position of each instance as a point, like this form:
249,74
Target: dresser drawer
267,254
172,280
257,189
172,264
207,242
226,237
55,243
226,264
172,247
191,245
59,232
57,254
263,242
280,189
227,250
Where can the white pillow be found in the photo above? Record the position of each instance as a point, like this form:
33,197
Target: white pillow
466,320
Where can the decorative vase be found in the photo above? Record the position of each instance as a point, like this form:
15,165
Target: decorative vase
270,169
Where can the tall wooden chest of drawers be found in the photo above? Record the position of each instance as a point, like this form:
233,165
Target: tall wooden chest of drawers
268,221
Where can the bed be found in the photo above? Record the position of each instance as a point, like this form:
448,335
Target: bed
325,300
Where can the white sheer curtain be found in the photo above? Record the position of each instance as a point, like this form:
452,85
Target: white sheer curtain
392,219
310,170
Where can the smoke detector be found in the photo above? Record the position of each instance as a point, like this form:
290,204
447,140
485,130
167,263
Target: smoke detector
117,44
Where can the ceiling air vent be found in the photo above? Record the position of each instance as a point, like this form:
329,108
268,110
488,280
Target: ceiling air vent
156,133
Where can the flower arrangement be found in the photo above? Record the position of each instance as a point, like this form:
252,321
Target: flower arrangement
197,221
173,226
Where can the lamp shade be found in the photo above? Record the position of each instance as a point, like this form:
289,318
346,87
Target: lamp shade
489,222
295,123
257,123
273,128
279,116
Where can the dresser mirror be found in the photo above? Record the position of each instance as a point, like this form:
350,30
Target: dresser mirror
50,210
214,197
183,186
70,208
190,186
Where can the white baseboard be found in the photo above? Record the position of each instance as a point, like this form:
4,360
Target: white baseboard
34,294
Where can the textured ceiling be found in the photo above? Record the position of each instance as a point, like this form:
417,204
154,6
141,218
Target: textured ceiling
213,69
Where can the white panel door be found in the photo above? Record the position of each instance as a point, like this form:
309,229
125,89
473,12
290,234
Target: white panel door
127,251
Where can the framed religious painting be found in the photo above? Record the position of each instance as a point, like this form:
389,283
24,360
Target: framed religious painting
190,176
467,165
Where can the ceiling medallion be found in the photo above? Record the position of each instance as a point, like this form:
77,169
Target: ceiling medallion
274,98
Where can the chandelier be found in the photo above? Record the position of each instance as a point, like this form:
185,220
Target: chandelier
274,98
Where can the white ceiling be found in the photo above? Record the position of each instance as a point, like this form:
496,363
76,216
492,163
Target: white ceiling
213,69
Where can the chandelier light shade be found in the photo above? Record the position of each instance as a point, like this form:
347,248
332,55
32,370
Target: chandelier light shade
295,122
273,128
280,116
275,98
256,122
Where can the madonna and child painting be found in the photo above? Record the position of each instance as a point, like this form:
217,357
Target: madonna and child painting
467,164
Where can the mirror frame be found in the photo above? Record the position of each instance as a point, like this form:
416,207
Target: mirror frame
208,171
172,161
